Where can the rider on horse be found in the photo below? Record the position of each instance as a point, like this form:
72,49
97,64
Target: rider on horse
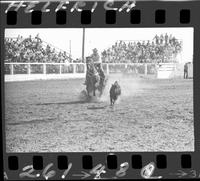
96,59
95,70
91,70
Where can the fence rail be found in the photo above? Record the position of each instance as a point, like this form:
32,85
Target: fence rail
76,68
43,68
43,71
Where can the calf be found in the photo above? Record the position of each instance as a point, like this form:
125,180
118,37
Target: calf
115,92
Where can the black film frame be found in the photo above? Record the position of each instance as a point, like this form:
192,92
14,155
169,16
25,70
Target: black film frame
179,162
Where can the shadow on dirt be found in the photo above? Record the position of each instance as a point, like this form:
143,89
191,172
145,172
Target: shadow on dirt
64,103
94,107
33,121
82,101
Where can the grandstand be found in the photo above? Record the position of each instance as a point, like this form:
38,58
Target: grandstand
29,50
33,56
143,51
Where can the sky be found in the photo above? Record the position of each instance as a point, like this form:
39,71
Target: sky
103,38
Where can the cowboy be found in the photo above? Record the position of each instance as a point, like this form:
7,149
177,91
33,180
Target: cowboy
96,59
95,56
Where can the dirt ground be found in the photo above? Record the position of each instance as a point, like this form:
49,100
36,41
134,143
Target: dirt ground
52,116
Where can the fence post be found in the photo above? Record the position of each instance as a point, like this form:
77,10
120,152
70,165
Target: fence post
107,68
60,68
12,69
85,67
145,69
44,69
74,68
126,68
29,69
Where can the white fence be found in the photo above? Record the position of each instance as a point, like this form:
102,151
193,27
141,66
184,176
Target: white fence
37,71
43,68
42,71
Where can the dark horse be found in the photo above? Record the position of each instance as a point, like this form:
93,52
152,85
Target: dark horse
92,80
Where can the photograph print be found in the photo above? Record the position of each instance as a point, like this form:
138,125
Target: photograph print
98,90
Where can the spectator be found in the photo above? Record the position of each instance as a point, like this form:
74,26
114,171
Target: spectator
164,48
35,50
31,50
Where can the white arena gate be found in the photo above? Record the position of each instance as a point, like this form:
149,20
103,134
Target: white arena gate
166,70
45,71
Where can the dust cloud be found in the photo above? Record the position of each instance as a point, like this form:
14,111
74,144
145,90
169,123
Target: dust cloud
130,86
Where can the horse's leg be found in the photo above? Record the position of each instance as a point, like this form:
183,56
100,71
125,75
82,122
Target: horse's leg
94,89
114,100
87,91
100,93
101,90
111,101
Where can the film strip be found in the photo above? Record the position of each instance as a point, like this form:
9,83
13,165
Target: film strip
150,130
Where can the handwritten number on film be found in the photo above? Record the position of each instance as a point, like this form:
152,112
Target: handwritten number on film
49,174
98,170
146,171
28,172
189,174
123,168
67,171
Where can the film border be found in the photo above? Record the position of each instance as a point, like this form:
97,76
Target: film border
147,10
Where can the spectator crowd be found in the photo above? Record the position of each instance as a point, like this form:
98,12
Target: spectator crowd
32,49
163,48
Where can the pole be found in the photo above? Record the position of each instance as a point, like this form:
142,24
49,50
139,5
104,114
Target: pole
83,45
70,53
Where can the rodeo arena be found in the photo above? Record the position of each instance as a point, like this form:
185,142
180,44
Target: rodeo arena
133,96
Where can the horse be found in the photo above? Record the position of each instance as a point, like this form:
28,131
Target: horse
92,80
